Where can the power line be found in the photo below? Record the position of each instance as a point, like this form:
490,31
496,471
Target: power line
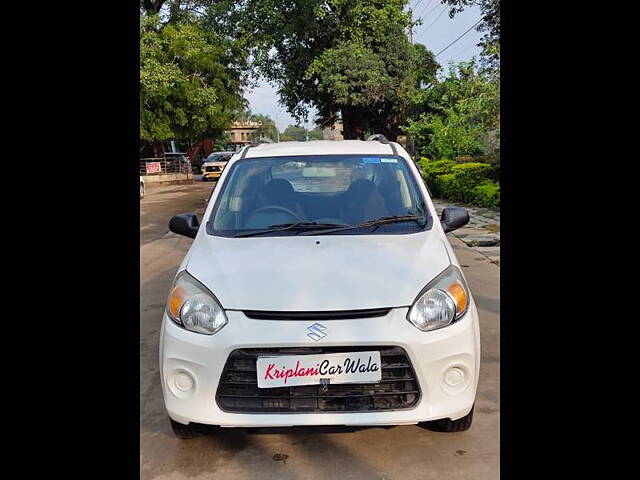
418,16
441,51
425,7
436,19
462,51
417,4
439,15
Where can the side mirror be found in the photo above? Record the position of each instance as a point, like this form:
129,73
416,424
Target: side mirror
185,224
453,218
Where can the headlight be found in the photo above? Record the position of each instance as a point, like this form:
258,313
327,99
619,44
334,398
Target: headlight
192,306
443,301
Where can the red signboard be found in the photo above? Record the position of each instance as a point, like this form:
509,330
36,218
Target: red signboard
153,167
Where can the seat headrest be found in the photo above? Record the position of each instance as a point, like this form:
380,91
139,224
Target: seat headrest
361,187
277,188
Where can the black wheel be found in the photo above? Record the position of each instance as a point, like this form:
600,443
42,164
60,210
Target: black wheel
185,432
448,425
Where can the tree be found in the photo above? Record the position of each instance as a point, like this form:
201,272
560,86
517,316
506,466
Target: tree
296,133
190,84
267,128
462,111
346,58
490,25
316,134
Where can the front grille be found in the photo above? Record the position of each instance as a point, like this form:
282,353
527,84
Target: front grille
212,169
238,390
322,315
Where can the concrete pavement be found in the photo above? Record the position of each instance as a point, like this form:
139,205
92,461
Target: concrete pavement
405,452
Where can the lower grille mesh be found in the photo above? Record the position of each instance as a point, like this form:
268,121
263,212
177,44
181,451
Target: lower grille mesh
238,388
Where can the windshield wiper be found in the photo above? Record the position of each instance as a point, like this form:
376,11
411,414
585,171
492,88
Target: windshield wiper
372,223
291,226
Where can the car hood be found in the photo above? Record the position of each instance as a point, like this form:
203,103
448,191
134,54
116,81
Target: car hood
214,164
317,273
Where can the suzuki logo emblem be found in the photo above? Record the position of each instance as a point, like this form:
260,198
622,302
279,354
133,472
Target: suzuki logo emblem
317,331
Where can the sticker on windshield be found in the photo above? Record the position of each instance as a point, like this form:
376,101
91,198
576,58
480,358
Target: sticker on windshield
389,160
371,159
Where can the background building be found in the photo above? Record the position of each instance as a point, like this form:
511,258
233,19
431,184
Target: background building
241,133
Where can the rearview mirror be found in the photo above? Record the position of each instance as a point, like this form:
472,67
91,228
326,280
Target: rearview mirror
185,224
453,218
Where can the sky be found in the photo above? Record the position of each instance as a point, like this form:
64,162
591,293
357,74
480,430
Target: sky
436,32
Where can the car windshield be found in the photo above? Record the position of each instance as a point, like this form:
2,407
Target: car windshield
219,157
304,195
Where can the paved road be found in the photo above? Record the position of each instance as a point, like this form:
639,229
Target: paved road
403,452
160,203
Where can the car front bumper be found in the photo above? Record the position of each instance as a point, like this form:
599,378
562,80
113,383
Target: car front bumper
431,353
211,175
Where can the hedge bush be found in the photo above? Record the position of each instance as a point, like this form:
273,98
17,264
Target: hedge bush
487,194
466,177
431,169
468,182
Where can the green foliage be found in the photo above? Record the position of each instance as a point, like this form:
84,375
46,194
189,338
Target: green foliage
295,132
466,177
189,87
447,137
268,126
487,194
431,170
464,182
460,114
222,142
316,134
444,185
346,57
490,26
299,134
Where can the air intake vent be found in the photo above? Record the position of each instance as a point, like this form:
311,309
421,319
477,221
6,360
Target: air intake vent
238,390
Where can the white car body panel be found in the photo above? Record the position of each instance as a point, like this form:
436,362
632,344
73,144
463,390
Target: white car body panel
342,272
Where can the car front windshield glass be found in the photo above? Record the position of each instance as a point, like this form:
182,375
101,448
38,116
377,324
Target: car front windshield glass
309,192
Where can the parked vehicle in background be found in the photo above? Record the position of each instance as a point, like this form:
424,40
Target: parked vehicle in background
335,299
215,163
141,187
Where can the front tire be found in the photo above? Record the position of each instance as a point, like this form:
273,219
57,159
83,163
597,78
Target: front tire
186,432
448,425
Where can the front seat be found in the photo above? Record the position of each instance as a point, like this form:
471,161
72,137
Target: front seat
280,192
362,202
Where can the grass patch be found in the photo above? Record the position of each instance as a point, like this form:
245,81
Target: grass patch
492,227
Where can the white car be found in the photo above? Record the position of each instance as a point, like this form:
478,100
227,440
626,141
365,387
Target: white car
320,290
214,165
141,187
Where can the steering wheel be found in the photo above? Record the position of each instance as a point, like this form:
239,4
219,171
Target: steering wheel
276,208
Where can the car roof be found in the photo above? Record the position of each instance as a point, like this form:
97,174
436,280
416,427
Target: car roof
323,147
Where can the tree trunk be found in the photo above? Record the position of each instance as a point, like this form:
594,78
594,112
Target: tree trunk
158,149
353,124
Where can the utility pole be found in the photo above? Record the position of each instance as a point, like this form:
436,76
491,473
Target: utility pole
411,26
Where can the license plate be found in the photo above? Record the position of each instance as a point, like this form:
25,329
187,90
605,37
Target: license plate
295,370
